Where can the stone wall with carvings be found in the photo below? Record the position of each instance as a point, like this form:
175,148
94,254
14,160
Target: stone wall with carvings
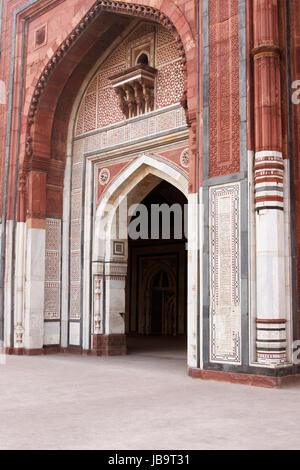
101,127
100,105
225,274
224,102
75,245
52,299
48,27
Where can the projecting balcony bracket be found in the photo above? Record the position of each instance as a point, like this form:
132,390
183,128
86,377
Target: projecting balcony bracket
135,89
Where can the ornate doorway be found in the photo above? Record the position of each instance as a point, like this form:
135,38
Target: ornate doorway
121,268
156,281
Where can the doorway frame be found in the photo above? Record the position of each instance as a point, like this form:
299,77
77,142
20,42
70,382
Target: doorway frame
96,262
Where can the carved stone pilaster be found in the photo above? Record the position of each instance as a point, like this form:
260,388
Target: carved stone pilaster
19,334
98,296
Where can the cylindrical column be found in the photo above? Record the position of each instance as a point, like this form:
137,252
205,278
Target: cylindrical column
269,203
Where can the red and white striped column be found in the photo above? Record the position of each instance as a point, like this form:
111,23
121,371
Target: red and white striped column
271,334
269,175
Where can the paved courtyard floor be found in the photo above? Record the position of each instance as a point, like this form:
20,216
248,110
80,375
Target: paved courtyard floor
142,401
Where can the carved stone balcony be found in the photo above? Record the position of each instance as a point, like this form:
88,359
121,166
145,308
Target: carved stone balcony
135,89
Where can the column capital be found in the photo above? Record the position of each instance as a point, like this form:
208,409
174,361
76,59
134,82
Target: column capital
266,49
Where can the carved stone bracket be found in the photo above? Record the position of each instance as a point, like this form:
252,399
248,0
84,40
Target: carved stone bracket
135,89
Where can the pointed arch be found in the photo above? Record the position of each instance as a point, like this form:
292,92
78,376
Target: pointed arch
46,132
168,17
119,189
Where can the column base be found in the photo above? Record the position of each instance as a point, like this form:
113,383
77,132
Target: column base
271,342
33,352
244,379
24,352
109,345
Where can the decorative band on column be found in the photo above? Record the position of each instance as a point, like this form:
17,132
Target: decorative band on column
271,341
269,174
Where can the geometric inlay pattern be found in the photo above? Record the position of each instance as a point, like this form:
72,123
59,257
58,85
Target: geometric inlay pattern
75,231
100,106
129,131
225,273
52,269
101,124
224,88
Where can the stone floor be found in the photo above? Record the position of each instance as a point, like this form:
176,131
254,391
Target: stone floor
142,401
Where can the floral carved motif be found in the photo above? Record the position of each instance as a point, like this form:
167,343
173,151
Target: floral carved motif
104,176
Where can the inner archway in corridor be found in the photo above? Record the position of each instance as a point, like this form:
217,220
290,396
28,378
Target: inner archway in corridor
156,287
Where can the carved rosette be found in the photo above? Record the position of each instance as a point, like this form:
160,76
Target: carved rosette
104,176
184,158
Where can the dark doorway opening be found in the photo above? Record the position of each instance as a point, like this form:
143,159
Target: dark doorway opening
156,288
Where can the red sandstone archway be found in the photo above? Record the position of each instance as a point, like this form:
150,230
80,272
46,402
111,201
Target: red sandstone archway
60,81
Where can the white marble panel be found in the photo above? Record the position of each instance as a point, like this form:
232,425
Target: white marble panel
225,273
193,281
51,333
74,334
34,289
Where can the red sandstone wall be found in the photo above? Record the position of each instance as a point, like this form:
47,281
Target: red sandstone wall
5,45
224,117
100,105
60,19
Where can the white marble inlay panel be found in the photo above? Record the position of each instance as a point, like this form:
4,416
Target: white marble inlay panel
51,333
52,269
225,274
168,120
74,334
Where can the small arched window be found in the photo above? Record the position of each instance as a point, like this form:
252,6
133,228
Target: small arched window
143,59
